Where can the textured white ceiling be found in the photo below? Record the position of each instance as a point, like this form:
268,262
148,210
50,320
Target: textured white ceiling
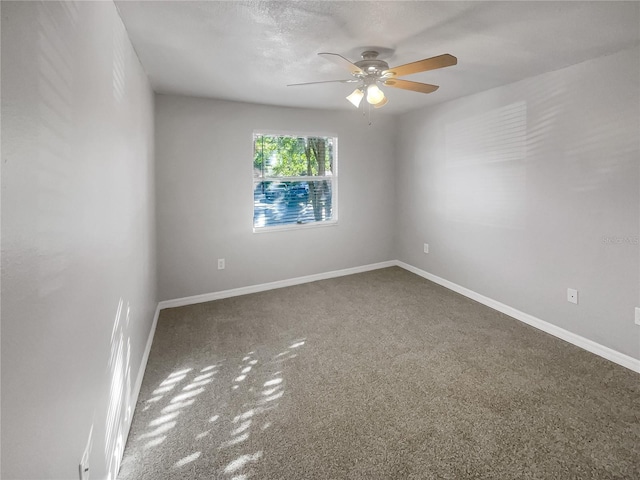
250,50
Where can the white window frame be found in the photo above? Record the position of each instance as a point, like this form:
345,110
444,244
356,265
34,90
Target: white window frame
333,178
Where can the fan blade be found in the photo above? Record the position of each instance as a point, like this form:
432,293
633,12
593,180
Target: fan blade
351,80
343,62
432,63
413,86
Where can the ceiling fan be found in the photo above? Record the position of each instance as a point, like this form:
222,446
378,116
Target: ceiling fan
370,73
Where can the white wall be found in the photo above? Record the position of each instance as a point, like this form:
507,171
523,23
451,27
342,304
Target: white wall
528,189
205,196
78,235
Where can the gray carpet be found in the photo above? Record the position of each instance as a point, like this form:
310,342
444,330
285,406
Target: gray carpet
380,375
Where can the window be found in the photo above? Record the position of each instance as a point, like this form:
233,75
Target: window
294,181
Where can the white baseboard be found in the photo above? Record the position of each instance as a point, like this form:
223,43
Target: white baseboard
145,359
589,345
234,292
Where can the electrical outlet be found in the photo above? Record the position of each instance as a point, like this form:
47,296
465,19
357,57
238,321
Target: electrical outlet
84,470
426,248
637,315
572,295
83,467
221,264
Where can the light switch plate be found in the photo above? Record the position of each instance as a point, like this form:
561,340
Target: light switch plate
572,295
637,315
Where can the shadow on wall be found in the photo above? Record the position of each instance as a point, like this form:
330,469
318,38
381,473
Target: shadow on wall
119,411
53,168
485,174
209,418
586,144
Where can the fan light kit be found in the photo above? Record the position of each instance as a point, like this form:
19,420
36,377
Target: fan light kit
371,73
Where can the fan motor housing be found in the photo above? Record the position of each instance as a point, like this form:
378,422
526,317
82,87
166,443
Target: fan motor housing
370,63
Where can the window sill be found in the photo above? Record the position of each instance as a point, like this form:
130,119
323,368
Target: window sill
301,226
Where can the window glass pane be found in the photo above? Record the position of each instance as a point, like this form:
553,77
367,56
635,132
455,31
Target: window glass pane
290,156
293,180
292,203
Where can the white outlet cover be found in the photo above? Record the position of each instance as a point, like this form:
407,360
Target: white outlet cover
572,295
637,315
426,248
83,467
84,470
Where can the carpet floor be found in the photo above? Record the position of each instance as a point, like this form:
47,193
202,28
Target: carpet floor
379,375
